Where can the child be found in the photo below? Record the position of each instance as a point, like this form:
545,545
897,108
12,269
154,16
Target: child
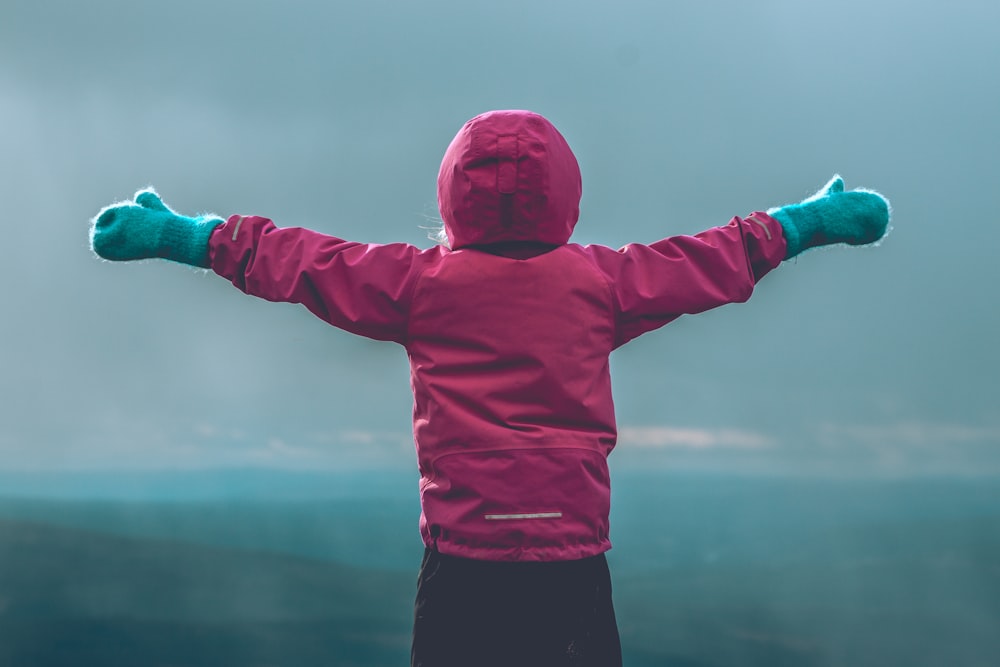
508,330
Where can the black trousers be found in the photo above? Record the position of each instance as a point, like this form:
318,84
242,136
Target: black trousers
472,613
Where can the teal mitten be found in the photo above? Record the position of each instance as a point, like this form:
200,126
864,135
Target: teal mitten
831,215
146,228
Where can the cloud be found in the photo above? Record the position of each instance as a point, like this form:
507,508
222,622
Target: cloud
892,449
913,447
330,450
130,442
910,433
692,438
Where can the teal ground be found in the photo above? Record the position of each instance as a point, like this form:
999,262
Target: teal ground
708,571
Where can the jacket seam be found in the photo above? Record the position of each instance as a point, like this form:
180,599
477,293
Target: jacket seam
411,290
517,448
746,260
616,323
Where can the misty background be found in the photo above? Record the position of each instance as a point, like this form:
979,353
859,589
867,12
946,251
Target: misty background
152,381
334,116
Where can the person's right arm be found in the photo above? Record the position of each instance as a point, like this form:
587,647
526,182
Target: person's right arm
361,288
657,283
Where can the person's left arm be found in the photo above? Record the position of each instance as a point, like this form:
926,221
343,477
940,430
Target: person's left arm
361,288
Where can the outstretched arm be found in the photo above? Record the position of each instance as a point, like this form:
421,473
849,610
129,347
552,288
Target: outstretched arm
654,284
361,288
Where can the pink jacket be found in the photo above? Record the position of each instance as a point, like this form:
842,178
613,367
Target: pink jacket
508,332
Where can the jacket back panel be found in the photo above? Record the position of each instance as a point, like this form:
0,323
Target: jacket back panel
513,414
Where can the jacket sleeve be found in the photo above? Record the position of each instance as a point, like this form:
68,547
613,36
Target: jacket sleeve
657,283
361,288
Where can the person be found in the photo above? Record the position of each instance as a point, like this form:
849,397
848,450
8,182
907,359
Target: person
508,328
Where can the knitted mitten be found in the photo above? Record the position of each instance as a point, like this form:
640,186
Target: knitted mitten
831,215
146,228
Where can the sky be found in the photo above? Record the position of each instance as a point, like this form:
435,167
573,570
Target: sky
335,115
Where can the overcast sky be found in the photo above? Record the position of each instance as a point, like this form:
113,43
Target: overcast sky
334,115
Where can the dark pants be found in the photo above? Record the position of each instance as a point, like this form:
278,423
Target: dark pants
472,613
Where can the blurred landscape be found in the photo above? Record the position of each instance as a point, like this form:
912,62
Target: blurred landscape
278,568
879,363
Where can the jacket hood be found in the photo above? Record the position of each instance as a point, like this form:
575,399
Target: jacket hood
509,176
